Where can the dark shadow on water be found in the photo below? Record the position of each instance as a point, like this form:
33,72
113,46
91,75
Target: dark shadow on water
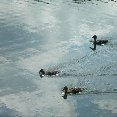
85,1
94,48
65,96
75,75
42,1
80,1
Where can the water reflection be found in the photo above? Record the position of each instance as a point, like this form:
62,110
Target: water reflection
7,112
107,104
80,1
65,96
92,1
42,1
94,48
89,92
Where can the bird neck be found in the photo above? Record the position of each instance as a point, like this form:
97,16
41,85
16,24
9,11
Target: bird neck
94,39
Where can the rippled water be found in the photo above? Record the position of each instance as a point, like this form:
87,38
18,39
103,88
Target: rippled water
55,34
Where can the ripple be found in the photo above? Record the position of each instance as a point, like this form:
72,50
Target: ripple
7,112
107,104
3,60
42,1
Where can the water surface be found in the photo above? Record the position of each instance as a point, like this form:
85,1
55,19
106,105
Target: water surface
54,34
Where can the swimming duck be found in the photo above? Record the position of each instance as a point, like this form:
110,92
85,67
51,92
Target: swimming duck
99,42
42,73
74,90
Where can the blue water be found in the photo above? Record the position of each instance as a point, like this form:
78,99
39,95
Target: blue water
56,34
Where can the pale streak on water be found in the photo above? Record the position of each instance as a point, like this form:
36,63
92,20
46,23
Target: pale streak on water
55,34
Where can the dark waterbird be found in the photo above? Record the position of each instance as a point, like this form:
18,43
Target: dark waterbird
98,42
43,72
74,90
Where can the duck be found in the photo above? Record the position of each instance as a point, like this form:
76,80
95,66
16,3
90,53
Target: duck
73,90
98,42
43,73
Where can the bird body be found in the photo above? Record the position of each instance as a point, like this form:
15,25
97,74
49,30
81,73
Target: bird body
99,42
43,72
74,90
